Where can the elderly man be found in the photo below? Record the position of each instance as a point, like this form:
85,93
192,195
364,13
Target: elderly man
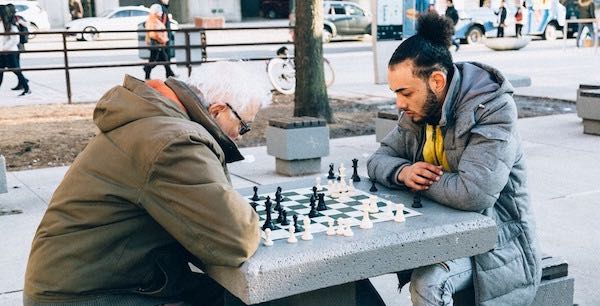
457,143
150,193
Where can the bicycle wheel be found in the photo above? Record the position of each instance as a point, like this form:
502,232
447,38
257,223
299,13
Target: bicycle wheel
328,71
282,75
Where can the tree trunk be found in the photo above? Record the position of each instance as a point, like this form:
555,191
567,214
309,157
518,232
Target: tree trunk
311,92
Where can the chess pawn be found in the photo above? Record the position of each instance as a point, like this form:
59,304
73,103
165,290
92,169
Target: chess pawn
348,231
341,226
373,201
335,193
268,241
330,186
292,238
351,189
318,183
365,205
366,222
330,229
307,235
389,211
342,170
399,213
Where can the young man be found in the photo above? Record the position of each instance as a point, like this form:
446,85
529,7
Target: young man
457,143
150,193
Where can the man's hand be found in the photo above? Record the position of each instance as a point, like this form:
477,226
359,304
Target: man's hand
420,176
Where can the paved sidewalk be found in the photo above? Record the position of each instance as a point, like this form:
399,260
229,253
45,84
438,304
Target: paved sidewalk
564,171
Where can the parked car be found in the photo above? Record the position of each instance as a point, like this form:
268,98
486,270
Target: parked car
275,8
32,12
120,18
342,18
473,24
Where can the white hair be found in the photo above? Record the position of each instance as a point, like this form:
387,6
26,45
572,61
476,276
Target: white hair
229,82
155,9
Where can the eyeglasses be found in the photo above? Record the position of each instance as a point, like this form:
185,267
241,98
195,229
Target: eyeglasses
244,127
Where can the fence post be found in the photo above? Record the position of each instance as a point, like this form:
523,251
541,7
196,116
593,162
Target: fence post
67,74
188,55
203,44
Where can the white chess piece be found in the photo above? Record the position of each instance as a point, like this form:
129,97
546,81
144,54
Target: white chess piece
292,238
373,201
365,205
330,229
342,170
307,235
366,221
340,229
351,189
389,211
399,213
348,231
329,186
335,191
318,181
268,241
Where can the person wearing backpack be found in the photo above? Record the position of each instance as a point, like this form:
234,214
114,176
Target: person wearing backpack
519,19
10,43
23,27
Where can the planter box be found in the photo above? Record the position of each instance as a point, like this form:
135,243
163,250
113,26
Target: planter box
209,22
297,144
588,108
3,186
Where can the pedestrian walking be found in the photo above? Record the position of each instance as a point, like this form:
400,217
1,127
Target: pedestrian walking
452,14
23,27
10,43
586,11
501,19
75,9
519,19
158,39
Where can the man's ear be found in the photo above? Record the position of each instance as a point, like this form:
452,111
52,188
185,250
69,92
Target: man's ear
437,82
215,108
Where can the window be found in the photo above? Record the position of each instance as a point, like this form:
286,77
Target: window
137,13
20,8
354,10
121,14
338,10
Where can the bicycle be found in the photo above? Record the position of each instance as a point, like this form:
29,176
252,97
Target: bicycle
282,72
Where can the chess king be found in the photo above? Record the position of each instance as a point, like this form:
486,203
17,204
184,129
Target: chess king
457,143
150,193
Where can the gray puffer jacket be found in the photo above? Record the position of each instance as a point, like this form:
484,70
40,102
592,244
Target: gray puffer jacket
483,149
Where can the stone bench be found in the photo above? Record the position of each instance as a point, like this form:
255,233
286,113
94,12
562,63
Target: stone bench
3,186
556,289
297,144
588,108
384,123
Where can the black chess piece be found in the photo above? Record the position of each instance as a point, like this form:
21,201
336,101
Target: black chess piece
268,221
355,177
279,216
284,220
314,189
298,228
331,175
313,211
253,204
277,201
321,205
255,197
373,187
417,200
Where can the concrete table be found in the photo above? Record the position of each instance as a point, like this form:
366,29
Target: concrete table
323,269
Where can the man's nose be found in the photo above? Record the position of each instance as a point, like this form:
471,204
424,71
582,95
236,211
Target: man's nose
400,103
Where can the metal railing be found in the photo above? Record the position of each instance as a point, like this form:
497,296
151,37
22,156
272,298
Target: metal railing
186,47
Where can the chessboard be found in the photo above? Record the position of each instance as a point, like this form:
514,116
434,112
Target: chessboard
346,205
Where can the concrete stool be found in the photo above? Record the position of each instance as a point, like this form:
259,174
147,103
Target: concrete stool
506,43
3,186
384,123
556,288
588,108
298,144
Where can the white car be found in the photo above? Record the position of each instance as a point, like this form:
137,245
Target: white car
120,18
32,12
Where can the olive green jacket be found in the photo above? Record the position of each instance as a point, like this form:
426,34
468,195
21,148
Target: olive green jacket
150,192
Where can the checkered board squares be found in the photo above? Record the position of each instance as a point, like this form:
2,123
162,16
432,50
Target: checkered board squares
297,202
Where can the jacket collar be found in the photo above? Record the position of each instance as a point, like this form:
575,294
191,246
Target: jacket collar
194,106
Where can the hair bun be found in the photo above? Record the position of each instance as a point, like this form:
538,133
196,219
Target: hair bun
436,29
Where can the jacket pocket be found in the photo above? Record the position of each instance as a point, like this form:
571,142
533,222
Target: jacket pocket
491,132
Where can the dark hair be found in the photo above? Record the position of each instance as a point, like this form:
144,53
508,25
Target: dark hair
4,16
428,49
